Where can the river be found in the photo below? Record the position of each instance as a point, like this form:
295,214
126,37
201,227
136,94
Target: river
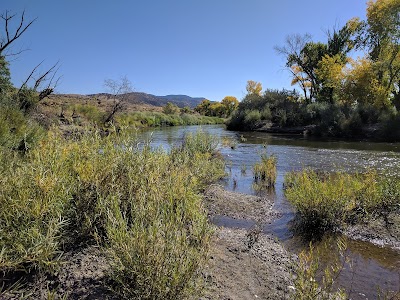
373,267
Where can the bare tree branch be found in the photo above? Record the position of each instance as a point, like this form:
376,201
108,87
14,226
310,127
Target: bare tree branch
30,76
9,36
43,76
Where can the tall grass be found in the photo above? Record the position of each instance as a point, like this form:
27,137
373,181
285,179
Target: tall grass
142,206
199,142
327,201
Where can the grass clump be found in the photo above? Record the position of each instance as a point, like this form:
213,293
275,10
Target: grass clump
265,172
328,201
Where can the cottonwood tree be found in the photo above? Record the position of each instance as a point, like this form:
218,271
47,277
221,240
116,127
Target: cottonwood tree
253,88
230,103
204,107
380,35
292,50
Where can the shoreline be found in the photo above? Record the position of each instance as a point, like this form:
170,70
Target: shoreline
242,264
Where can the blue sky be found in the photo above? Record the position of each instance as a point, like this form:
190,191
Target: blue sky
207,48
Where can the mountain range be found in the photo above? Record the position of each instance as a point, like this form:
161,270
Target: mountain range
144,98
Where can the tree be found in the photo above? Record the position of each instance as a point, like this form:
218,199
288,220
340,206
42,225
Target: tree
330,72
171,109
253,88
230,103
292,50
217,110
119,90
204,107
379,35
186,110
362,86
303,59
9,36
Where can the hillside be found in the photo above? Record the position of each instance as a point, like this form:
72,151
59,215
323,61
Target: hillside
149,99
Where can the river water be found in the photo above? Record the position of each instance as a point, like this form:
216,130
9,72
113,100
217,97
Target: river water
372,267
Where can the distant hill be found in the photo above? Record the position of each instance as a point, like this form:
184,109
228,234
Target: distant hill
143,98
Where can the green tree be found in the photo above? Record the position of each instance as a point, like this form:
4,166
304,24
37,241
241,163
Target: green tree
303,59
171,109
186,110
204,107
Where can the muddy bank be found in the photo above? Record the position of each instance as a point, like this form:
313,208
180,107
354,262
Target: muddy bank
221,202
245,264
377,231
81,275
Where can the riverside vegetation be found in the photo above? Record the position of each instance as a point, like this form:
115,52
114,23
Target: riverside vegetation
265,173
328,202
76,111
142,206
58,192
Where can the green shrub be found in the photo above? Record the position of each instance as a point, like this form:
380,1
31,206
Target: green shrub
390,127
266,114
327,201
155,119
199,142
33,195
17,131
90,112
171,109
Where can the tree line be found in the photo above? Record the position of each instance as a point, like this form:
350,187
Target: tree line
337,93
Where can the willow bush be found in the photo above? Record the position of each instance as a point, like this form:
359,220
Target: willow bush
328,201
142,205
